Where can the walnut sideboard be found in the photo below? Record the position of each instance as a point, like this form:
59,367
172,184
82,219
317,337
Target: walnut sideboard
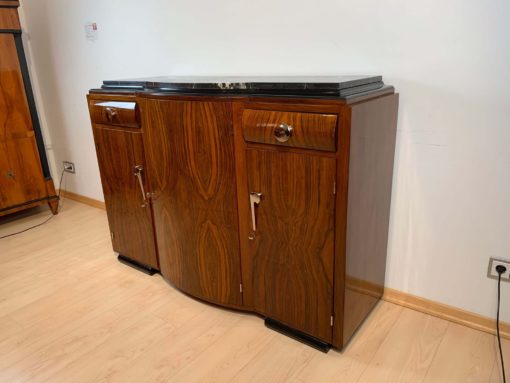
269,195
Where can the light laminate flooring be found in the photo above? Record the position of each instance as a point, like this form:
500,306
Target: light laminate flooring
70,313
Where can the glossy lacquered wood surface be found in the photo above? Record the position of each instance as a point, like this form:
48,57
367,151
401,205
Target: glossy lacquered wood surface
190,158
9,19
121,113
291,256
299,268
22,183
15,119
309,130
21,175
129,217
371,151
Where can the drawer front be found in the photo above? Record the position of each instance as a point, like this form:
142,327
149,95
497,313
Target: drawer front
301,130
122,113
9,19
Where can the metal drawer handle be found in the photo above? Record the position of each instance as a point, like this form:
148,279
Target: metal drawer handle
111,113
255,198
283,132
137,171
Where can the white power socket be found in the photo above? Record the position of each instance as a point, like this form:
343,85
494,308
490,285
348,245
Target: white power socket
69,167
493,274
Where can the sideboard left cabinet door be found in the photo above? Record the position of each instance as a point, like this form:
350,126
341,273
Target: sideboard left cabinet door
292,238
190,158
122,165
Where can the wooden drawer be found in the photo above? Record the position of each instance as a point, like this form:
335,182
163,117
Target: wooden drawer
123,113
9,18
301,130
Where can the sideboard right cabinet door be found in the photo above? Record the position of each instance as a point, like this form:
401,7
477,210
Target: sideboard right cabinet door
291,246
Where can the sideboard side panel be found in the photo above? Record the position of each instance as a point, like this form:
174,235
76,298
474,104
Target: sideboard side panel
371,155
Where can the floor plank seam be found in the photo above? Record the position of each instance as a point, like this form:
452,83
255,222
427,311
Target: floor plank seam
437,350
377,349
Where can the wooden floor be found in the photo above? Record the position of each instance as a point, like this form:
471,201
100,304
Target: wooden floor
69,312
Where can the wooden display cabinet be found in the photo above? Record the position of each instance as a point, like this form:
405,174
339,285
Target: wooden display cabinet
25,179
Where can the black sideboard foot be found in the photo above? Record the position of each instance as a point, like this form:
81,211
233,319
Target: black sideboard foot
297,335
137,265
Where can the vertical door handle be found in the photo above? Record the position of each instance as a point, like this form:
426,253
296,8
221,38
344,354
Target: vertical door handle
111,113
255,198
137,171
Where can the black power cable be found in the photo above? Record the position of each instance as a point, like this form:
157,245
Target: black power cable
500,270
46,220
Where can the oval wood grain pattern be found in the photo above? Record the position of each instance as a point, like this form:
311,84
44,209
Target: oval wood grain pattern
291,257
122,113
310,130
118,151
190,158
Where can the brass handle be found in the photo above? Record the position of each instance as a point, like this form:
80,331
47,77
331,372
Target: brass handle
137,171
283,132
255,199
111,113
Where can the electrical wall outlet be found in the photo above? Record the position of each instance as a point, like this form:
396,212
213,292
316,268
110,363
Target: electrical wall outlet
493,274
69,167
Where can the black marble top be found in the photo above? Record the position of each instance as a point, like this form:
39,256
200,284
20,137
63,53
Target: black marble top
331,86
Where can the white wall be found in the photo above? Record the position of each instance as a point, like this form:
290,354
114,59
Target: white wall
450,61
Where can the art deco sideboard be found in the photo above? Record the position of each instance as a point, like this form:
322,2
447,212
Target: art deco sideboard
265,195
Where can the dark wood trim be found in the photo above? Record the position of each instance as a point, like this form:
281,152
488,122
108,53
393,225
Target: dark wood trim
11,31
32,107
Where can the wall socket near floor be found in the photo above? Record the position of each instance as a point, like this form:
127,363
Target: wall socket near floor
493,274
69,167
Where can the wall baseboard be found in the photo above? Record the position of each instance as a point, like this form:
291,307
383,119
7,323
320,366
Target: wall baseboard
449,313
440,310
85,200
